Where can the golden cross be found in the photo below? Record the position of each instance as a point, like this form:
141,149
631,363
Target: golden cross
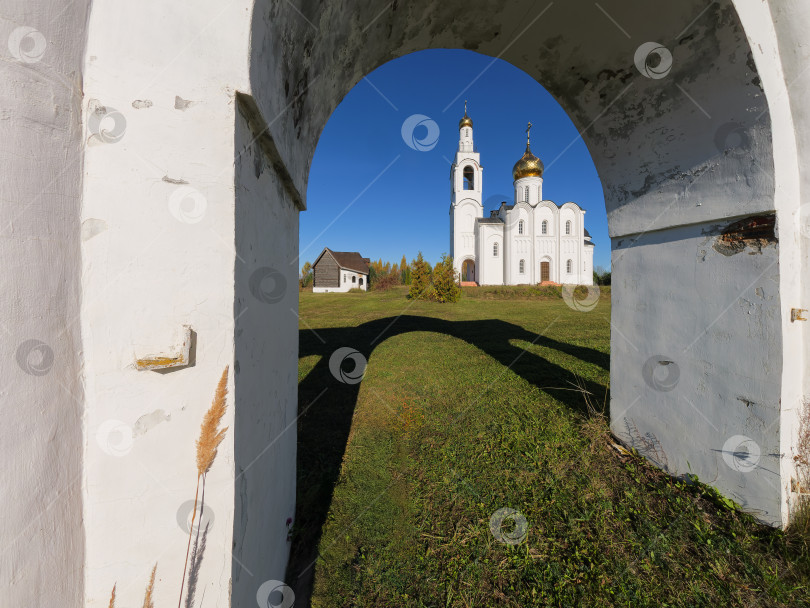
529,128
465,107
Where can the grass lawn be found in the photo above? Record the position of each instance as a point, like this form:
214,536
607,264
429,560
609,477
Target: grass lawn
470,408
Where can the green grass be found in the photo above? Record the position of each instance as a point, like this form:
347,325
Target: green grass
471,407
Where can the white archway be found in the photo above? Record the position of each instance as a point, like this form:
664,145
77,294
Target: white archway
183,209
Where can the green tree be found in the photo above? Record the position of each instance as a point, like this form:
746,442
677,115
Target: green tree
420,279
601,276
445,281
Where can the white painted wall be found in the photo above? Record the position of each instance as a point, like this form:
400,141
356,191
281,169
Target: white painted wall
346,283
488,265
41,531
164,195
682,408
266,361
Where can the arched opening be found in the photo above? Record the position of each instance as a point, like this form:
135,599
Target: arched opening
617,107
544,227
567,226
468,271
469,178
520,227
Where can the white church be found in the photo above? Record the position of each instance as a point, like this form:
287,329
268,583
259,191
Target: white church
530,241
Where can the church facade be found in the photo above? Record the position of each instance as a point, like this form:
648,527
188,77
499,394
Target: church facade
528,241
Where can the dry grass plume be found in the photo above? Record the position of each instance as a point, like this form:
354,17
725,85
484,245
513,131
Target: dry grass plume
112,598
210,436
147,599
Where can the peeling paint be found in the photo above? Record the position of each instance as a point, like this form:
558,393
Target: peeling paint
172,180
147,422
752,233
140,104
91,227
182,104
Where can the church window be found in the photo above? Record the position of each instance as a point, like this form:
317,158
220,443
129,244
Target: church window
569,267
520,227
544,227
354,279
568,227
469,178
495,250
526,194
522,266
344,276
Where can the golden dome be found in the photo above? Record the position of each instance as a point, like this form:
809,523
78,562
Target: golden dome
528,165
466,121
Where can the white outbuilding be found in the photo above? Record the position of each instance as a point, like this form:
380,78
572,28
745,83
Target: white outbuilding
340,271
527,242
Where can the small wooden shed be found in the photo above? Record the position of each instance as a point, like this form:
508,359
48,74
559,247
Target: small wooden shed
340,271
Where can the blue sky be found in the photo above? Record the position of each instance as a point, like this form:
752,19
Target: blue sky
370,192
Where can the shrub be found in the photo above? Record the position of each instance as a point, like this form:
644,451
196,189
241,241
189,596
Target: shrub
445,285
385,281
420,279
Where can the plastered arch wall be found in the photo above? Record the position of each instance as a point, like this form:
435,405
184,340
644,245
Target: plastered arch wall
187,213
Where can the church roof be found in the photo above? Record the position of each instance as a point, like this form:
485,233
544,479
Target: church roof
489,220
350,260
588,234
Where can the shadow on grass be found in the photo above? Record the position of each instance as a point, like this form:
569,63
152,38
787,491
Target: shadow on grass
326,415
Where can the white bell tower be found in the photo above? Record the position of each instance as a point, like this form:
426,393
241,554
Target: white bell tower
465,201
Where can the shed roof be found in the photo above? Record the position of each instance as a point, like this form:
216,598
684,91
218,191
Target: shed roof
350,260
